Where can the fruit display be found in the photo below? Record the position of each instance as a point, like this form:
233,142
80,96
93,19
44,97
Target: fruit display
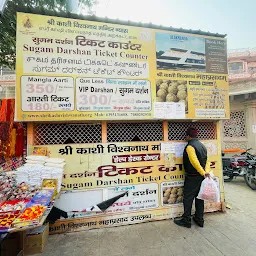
173,195
6,220
31,215
172,91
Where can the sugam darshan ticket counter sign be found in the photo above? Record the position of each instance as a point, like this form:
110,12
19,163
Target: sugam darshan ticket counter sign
151,179
71,69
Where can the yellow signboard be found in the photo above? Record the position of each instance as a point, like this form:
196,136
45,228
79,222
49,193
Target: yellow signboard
71,69
90,166
153,180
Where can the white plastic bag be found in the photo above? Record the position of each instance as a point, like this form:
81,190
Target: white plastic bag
209,191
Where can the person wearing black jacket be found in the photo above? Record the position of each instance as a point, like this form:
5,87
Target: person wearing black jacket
197,167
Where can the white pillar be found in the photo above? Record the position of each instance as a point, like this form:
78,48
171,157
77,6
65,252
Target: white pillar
251,121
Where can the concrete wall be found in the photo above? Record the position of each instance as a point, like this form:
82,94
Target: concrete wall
238,139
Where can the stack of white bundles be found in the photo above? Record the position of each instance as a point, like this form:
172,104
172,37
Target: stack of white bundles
53,173
22,174
35,160
22,178
55,162
30,174
46,172
58,174
35,175
35,182
57,168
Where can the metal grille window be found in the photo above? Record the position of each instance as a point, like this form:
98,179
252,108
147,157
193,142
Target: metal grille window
241,145
120,132
50,134
177,130
235,127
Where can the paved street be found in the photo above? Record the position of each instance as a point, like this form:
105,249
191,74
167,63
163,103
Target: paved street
233,233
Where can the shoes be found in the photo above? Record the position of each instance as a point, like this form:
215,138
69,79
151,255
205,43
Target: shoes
199,222
183,222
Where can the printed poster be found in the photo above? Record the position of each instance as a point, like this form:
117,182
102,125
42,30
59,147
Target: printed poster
69,69
192,71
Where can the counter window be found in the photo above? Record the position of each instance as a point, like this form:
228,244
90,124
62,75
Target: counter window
52,134
177,130
122,132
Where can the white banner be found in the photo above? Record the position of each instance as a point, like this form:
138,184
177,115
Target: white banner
41,93
99,94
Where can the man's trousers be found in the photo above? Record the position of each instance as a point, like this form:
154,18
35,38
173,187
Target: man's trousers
191,189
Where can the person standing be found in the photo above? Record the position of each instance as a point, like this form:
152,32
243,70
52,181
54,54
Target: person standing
197,167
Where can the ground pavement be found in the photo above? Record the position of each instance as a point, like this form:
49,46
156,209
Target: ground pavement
233,233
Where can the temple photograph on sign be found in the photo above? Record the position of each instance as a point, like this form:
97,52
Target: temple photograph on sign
180,52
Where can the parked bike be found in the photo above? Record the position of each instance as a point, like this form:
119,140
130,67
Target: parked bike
231,168
250,175
240,165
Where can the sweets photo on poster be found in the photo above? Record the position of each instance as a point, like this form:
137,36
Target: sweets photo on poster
172,192
180,52
172,91
217,99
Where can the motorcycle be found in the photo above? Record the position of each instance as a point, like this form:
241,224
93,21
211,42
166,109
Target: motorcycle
240,165
250,175
231,168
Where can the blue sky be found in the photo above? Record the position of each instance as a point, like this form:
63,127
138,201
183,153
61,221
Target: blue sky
233,17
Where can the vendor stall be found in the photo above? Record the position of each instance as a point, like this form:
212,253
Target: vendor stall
23,207
114,101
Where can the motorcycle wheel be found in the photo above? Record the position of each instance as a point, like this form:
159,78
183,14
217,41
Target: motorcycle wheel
228,178
227,175
250,182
